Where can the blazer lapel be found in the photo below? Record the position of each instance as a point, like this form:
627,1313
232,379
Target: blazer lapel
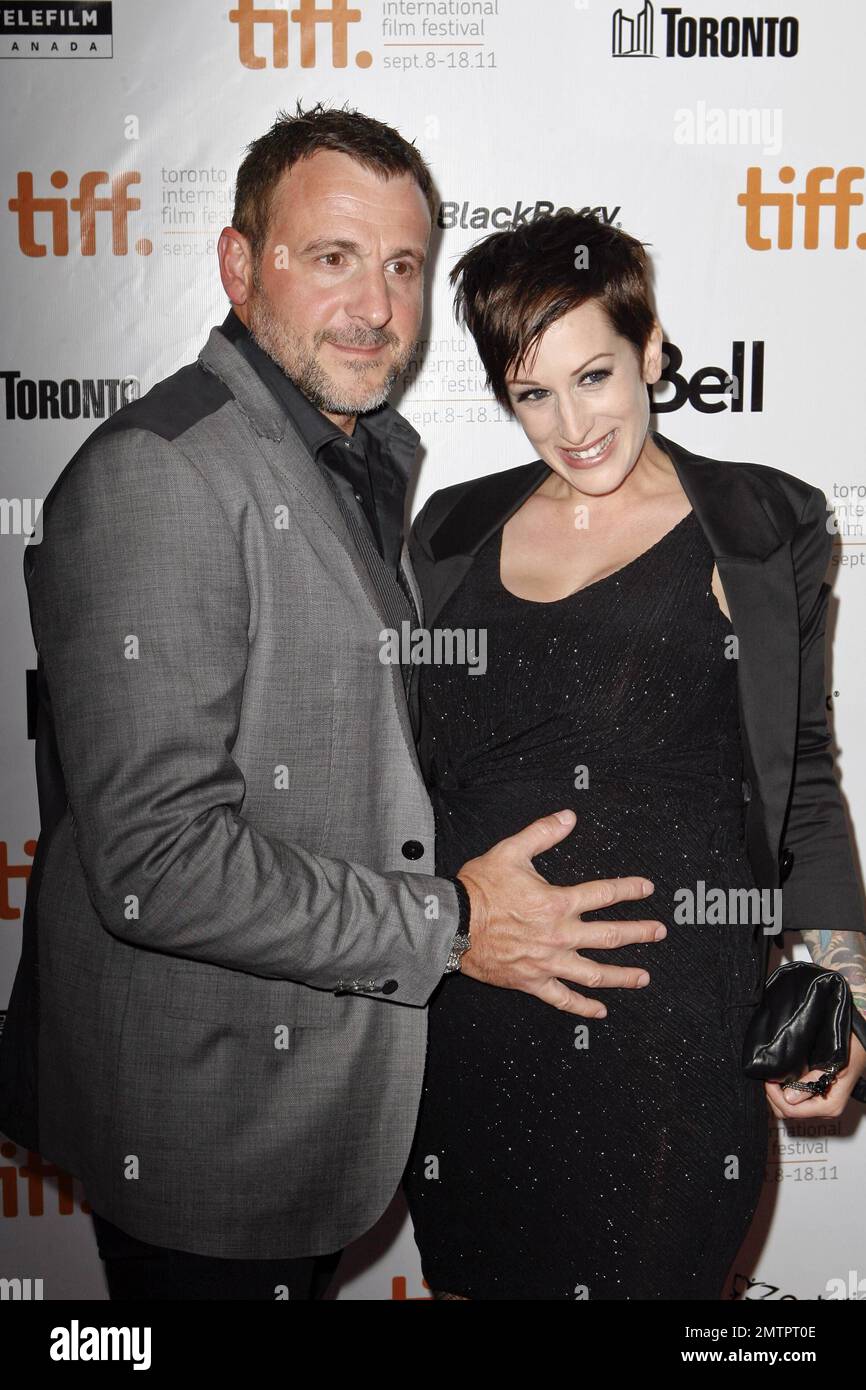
294,461
757,573
408,571
445,555
754,562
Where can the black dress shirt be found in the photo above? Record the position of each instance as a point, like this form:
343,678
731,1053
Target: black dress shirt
372,466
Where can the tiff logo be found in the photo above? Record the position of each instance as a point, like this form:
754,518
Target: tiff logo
840,198
32,1173
8,872
87,204
306,15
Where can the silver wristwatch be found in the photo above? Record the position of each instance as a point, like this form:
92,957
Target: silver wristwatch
459,946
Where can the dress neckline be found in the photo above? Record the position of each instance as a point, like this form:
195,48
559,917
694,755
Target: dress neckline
605,578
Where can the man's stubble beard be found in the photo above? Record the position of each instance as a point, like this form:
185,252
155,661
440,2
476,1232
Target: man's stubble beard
302,366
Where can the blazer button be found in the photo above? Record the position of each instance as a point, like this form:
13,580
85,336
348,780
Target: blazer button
786,864
413,849
389,987
747,790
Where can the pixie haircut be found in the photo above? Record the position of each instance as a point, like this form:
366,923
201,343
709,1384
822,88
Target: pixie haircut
513,285
376,146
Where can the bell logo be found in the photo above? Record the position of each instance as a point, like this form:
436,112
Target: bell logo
306,15
710,389
87,204
841,198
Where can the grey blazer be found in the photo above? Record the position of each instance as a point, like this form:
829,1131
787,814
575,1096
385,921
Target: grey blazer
232,925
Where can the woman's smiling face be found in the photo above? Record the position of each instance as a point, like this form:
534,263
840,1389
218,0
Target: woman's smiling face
584,390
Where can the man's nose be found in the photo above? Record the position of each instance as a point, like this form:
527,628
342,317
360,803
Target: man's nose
369,299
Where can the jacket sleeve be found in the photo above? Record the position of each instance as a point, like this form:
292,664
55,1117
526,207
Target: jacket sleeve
137,552
822,889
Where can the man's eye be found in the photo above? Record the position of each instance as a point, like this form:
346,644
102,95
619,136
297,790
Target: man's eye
331,255
407,267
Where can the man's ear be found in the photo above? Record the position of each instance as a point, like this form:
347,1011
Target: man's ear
236,265
652,355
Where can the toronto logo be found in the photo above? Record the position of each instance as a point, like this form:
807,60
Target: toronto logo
704,36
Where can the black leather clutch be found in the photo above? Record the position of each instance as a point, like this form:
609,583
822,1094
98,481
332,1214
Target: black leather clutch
803,1023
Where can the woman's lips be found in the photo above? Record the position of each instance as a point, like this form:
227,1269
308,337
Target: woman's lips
595,460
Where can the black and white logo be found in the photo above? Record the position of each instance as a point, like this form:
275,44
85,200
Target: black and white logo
633,38
32,29
682,35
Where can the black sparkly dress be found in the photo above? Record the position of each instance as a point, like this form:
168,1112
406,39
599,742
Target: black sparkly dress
619,1158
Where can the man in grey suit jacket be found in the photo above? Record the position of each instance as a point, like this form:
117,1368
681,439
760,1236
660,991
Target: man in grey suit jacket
233,922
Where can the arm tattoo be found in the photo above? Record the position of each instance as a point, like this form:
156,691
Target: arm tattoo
844,951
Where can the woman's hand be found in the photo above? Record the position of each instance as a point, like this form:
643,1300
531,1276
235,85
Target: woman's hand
800,1105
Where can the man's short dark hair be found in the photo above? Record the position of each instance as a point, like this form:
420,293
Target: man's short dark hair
512,285
373,144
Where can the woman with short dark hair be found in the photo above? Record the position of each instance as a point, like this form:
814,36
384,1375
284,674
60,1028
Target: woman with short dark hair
621,1156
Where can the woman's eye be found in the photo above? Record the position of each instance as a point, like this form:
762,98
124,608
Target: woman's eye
537,393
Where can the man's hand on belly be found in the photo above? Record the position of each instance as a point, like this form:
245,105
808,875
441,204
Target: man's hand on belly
527,934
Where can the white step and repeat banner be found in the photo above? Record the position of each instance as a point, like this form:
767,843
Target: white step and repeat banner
733,143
